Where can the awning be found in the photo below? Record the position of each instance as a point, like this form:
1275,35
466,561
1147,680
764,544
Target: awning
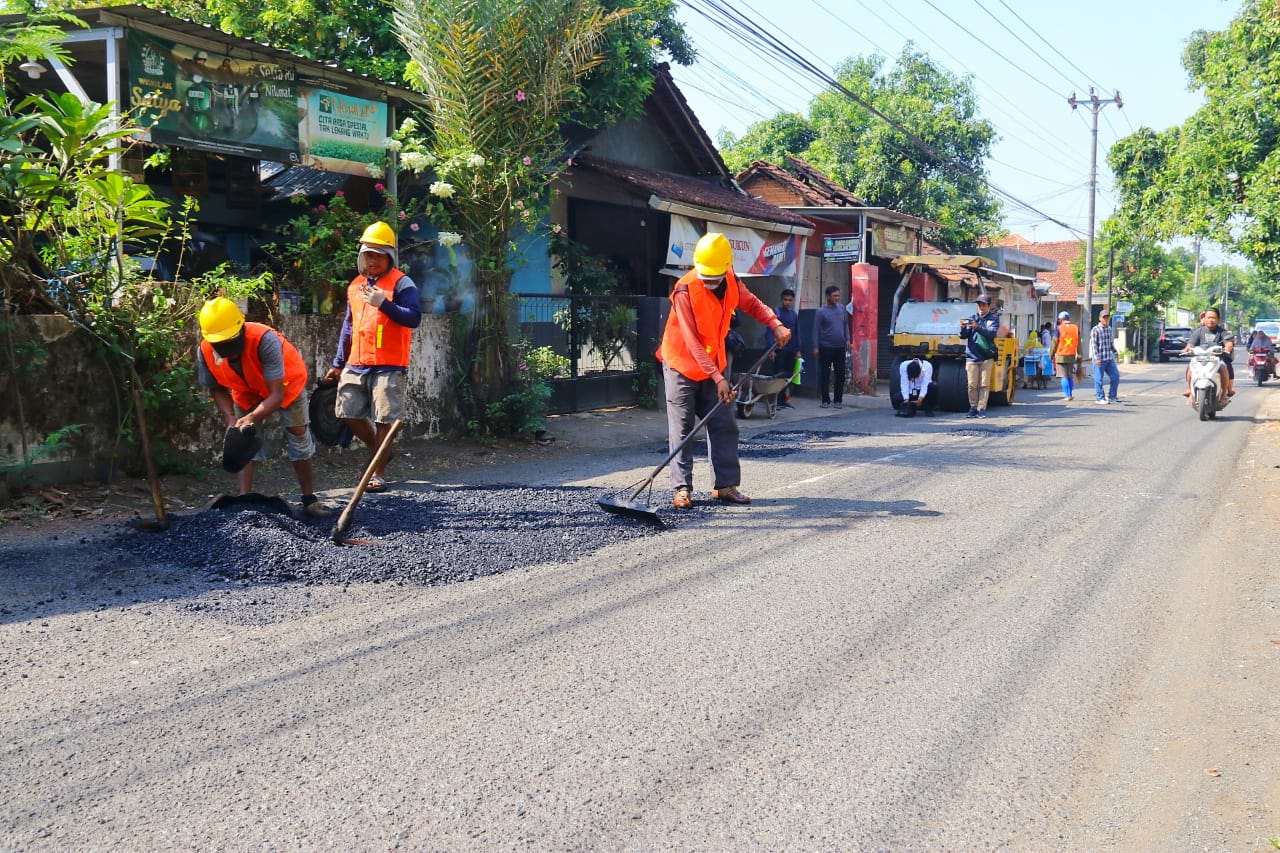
712,215
971,261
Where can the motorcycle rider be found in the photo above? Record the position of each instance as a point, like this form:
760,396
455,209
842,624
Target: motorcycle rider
1260,342
1211,334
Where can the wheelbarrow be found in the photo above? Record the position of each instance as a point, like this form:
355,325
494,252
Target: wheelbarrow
760,388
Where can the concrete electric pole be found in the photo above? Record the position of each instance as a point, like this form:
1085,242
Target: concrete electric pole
1095,105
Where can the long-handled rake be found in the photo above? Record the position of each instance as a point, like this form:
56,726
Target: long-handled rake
631,506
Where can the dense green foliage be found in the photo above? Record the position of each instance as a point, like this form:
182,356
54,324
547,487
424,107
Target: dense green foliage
944,182
1218,174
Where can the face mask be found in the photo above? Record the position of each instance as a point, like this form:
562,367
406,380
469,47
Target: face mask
230,349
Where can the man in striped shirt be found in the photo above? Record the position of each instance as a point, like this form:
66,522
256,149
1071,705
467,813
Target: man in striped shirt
1102,348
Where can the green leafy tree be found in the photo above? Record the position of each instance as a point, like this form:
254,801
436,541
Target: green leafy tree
502,78
944,181
772,140
362,37
1217,174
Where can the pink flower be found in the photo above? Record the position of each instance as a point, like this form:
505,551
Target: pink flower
379,187
555,229
321,208
340,193
528,161
519,203
520,94
413,227
401,215
569,162
525,213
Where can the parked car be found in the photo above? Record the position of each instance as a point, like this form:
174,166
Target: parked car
1172,340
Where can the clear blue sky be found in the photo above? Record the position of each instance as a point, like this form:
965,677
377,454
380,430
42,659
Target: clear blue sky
1042,157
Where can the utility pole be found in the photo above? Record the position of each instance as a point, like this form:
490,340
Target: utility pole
1095,105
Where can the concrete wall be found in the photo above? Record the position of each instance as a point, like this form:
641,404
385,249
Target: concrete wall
73,386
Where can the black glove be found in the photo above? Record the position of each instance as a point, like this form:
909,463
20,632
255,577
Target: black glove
239,446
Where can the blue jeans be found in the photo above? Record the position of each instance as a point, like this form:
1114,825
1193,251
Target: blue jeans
1108,367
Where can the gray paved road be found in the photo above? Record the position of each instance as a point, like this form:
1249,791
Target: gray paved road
1046,630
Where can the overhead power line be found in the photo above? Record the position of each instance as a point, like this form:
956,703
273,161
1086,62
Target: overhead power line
724,15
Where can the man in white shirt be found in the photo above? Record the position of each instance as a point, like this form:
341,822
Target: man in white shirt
919,391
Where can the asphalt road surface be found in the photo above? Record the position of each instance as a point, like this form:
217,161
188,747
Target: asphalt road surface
1053,629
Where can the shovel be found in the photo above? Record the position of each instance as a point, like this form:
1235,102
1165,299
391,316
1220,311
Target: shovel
340,529
632,507
161,522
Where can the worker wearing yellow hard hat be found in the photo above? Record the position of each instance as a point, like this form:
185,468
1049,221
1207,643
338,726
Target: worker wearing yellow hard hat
375,343
693,355
251,372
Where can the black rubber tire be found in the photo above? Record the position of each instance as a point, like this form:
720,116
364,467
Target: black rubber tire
1202,403
744,410
953,385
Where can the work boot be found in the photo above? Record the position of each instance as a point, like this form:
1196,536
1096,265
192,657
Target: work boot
315,508
731,495
682,499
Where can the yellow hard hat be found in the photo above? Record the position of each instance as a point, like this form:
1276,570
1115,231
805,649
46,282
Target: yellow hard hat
713,255
220,320
379,234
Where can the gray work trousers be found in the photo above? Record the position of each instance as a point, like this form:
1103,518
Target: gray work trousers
689,400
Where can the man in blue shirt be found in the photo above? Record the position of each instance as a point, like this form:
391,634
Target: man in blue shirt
784,358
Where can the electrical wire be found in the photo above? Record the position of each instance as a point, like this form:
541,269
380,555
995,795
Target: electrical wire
726,17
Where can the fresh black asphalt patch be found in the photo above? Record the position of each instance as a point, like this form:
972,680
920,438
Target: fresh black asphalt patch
429,538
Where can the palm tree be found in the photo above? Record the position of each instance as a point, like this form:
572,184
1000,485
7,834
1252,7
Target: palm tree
501,77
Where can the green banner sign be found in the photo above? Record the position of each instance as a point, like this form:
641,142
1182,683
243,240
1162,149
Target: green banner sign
191,99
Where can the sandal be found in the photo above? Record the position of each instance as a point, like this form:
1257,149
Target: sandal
376,484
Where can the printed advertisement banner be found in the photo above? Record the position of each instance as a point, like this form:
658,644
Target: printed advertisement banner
341,133
192,99
754,252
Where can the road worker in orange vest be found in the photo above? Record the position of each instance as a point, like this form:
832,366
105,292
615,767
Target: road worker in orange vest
373,347
1066,354
694,360
251,372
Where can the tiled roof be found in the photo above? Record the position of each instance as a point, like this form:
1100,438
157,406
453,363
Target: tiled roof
1065,252
689,190
811,187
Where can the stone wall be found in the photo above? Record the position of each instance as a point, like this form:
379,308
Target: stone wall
74,385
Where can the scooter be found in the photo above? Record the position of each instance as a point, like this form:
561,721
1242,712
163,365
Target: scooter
1207,394
1262,365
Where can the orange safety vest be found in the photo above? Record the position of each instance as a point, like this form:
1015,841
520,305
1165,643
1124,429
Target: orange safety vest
711,317
376,339
251,389
1068,340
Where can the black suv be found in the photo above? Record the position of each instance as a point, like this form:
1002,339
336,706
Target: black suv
1172,340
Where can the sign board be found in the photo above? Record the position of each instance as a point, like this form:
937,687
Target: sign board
341,133
842,248
1123,307
890,241
190,99
754,252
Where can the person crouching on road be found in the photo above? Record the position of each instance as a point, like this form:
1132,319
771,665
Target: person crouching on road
373,347
919,391
693,364
251,372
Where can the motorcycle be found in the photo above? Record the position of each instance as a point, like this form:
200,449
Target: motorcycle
1262,365
1207,394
